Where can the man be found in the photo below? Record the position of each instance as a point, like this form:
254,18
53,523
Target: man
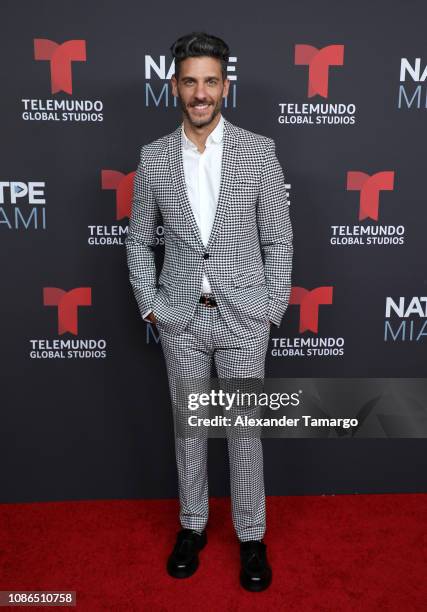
225,280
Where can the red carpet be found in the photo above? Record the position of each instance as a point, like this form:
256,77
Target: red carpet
328,553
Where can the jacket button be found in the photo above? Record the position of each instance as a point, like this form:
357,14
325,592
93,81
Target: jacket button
205,255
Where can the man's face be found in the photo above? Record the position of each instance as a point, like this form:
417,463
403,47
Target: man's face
200,89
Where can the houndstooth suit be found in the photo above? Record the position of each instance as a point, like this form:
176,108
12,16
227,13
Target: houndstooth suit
248,260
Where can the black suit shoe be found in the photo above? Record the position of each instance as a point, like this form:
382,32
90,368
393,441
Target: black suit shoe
255,573
184,559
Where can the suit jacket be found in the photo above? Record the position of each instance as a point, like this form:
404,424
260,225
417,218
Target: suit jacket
248,258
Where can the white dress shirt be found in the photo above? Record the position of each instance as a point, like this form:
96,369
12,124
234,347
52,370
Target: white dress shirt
202,173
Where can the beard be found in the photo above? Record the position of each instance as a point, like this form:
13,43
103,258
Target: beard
202,121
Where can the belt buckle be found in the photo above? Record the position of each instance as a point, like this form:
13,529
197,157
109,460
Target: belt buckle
206,300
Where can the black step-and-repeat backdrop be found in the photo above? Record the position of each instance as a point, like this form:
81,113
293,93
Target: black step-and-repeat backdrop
342,89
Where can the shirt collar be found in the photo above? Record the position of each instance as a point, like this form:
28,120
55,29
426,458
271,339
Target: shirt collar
215,136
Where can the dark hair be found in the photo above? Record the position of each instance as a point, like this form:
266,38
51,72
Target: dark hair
199,44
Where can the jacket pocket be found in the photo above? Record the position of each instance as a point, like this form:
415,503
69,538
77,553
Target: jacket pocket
248,278
246,184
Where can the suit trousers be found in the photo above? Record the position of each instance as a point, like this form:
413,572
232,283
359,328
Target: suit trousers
206,341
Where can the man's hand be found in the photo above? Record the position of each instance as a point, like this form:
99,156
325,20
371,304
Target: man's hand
152,318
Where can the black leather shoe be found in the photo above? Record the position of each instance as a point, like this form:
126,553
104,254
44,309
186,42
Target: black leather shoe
255,573
184,559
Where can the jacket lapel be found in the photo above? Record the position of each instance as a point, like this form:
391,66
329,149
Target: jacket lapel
178,180
228,172
228,168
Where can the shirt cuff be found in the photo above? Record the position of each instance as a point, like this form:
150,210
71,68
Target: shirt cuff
144,316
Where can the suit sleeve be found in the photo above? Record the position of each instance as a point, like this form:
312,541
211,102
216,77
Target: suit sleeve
275,234
141,240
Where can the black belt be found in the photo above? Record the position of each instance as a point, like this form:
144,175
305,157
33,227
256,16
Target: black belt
207,300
